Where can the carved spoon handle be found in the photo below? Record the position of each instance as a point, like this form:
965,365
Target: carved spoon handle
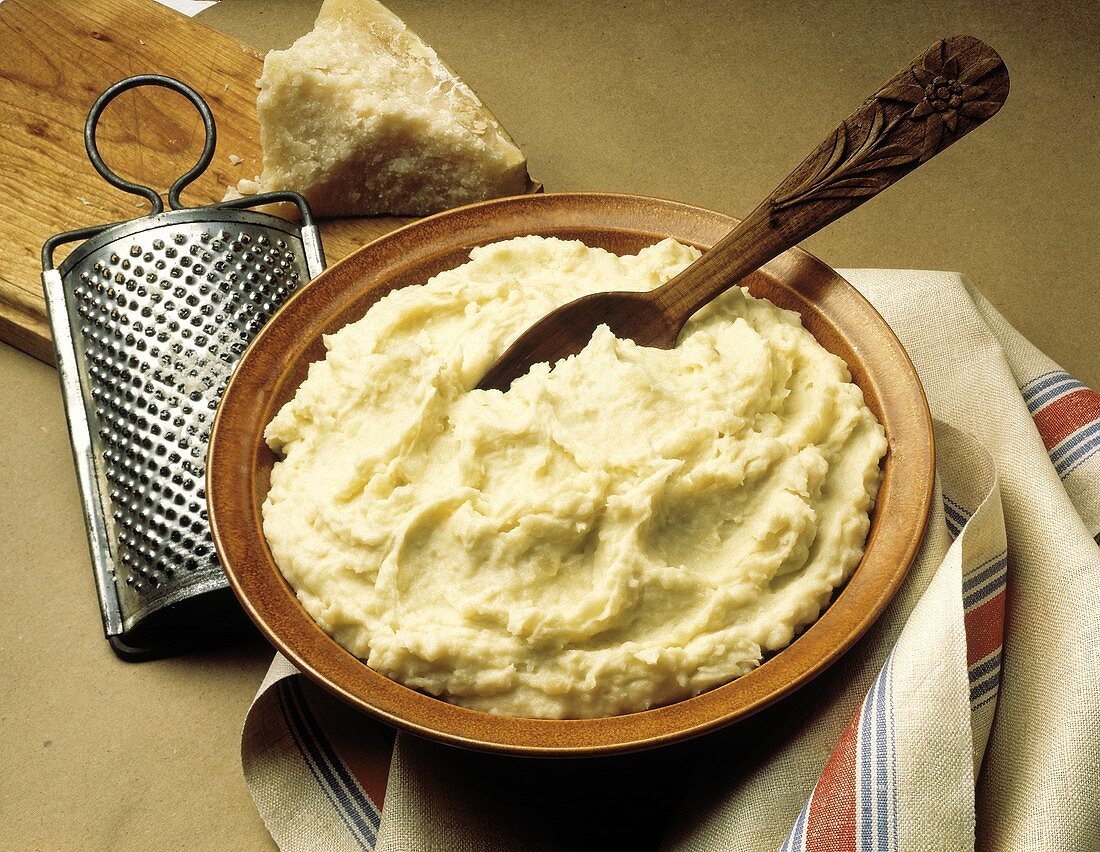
948,90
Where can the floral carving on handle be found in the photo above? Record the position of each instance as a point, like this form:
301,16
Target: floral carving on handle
933,94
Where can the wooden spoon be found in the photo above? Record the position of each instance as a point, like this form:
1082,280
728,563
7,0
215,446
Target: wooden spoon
948,90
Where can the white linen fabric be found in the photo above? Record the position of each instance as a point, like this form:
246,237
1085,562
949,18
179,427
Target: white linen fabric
967,717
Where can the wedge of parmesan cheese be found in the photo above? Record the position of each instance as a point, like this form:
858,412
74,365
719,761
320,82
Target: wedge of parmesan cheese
362,117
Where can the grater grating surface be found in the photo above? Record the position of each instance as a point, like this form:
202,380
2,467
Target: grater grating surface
149,318
161,317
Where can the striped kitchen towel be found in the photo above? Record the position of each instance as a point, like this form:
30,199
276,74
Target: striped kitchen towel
966,718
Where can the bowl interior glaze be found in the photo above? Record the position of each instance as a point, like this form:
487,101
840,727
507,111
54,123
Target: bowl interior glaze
239,463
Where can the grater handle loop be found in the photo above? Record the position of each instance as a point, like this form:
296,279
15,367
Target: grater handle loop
135,188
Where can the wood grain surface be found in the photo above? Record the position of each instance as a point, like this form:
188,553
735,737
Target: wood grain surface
57,57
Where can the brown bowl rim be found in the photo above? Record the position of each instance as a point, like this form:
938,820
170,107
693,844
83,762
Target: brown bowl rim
892,545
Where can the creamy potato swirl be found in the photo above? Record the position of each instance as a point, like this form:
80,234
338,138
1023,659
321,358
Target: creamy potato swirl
625,529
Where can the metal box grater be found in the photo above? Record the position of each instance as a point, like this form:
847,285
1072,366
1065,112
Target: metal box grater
149,318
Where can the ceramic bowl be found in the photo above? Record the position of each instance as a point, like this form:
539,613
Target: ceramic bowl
239,464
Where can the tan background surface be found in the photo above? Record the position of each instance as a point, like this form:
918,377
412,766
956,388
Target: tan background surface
711,103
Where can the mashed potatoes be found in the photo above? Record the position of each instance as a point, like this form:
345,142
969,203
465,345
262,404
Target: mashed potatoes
626,529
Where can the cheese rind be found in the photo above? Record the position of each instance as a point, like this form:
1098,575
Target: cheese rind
362,117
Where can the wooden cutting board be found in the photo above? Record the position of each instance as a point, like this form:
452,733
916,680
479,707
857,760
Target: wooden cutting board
57,57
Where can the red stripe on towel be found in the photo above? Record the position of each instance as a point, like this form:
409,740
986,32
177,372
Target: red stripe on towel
985,628
831,821
1065,415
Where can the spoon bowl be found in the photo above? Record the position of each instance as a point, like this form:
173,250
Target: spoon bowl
566,331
